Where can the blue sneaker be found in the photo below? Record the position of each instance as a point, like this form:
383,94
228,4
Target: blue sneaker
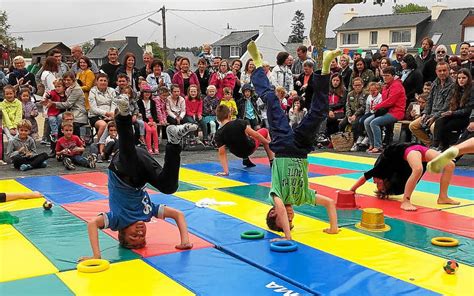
44,164
25,167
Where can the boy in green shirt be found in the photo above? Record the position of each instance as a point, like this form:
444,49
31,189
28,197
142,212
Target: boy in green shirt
291,148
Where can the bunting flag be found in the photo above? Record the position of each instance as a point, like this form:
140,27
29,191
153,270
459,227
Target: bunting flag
351,54
390,54
360,50
363,54
420,50
453,48
345,50
315,53
374,51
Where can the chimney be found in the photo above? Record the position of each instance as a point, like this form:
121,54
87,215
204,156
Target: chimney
437,9
98,40
349,15
131,39
228,30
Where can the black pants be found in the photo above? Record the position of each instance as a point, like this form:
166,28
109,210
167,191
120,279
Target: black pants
444,127
34,161
136,167
356,126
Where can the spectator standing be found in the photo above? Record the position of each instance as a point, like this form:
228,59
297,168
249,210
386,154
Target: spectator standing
281,74
110,68
411,78
184,77
426,60
203,75
223,78
77,53
128,68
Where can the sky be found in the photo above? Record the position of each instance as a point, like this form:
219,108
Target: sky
24,15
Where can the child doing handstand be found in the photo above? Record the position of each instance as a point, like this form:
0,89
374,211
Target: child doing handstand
291,148
130,170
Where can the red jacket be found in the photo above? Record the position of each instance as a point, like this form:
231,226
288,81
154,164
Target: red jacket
228,81
393,99
193,107
179,80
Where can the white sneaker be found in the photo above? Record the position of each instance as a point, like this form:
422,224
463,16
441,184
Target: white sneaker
177,132
359,140
123,106
355,148
365,141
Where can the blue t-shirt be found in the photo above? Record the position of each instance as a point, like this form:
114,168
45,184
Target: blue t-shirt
249,110
128,204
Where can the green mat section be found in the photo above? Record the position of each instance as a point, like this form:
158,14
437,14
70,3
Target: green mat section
46,285
183,186
404,233
63,238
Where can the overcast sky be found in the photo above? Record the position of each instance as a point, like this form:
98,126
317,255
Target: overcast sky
27,15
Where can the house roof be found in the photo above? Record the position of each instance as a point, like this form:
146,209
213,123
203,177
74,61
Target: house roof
45,47
99,51
449,25
292,47
396,20
236,38
190,55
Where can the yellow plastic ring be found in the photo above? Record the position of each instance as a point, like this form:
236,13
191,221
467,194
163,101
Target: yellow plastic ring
93,265
442,241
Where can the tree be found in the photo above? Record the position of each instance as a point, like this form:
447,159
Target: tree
156,49
297,31
411,7
321,9
5,38
86,47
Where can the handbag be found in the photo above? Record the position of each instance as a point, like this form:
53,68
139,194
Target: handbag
381,112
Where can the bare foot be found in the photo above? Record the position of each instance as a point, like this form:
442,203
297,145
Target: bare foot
407,206
185,246
447,201
331,230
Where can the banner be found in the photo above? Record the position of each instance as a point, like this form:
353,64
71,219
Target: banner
453,48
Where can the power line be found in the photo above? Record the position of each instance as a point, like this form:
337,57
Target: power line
81,26
124,27
185,19
230,9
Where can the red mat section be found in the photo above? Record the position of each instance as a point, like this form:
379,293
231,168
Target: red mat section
95,181
432,218
161,235
455,180
313,168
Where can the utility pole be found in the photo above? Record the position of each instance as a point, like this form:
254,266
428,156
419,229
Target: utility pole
163,21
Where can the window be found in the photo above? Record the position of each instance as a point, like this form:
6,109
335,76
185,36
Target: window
468,33
234,51
401,36
216,51
436,37
350,38
373,37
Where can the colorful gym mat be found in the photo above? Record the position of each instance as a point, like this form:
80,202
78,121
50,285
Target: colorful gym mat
38,254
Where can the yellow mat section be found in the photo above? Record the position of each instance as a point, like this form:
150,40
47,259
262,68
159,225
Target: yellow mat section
206,180
16,205
19,258
133,277
345,157
422,269
418,198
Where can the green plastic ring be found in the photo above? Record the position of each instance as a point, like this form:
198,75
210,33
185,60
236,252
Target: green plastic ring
252,234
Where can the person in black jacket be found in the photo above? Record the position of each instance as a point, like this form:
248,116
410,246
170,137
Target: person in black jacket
203,75
412,78
426,60
128,68
346,71
147,108
248,100
399,168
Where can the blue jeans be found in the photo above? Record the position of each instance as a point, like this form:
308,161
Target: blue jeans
288,142
373,128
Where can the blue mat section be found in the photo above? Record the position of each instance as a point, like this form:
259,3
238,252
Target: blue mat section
464,172
224,231
234,174
212,272
432,187
260,169
215,227
59,190
313,269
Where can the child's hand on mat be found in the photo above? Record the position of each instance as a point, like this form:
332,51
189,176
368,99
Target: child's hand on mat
222,174
83,258
184,246
279,239
331,230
